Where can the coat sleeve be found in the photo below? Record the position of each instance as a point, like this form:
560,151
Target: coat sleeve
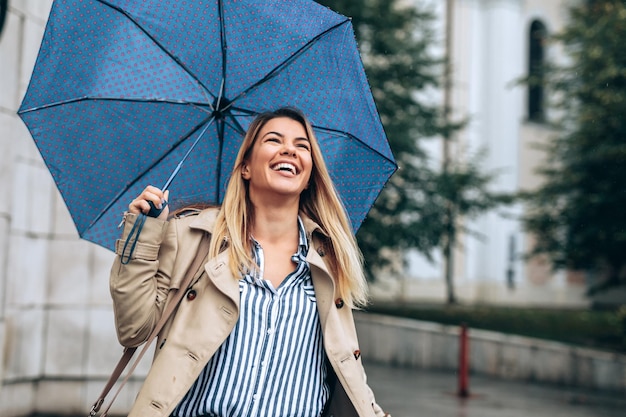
140,287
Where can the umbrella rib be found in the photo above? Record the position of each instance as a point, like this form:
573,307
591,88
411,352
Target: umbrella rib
346,134
132,100
224,47
273,73
191,148
157,43
147,169
220,150
235,125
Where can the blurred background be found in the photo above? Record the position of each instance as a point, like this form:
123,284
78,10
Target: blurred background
506,118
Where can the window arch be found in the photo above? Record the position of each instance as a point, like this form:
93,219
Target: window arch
536,53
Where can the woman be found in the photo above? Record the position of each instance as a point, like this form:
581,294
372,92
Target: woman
267,329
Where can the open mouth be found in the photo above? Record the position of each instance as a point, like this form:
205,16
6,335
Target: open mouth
285,167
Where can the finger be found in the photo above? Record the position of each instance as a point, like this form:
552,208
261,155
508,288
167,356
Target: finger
165,213
153,191
138,205
155,197
144,206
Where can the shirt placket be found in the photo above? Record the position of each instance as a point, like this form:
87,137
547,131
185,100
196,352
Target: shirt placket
271,313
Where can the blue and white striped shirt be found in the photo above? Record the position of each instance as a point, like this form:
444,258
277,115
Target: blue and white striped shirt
272,364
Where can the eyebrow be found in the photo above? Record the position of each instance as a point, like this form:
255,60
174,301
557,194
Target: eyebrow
282,136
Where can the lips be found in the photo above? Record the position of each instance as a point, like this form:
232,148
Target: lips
284,166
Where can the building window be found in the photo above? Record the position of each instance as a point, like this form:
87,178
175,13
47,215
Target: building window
3,13
536,51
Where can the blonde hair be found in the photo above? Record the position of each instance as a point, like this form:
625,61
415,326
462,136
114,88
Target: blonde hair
320,202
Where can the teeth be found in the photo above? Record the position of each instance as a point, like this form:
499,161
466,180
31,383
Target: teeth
285,166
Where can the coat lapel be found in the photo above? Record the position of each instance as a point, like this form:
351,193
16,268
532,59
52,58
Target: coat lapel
217,269
323,284
219,273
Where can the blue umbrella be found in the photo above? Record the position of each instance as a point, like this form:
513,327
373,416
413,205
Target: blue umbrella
124,90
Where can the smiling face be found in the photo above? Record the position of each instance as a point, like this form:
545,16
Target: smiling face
280,161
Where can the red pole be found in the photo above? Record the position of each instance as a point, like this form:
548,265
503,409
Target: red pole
463,363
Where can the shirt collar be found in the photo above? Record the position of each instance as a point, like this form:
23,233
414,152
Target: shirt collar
303,246
299,256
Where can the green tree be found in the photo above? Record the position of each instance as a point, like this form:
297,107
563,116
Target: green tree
579,213
420,206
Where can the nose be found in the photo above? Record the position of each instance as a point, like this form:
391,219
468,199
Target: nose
289,148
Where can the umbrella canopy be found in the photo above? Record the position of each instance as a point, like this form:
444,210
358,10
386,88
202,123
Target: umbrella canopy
122,90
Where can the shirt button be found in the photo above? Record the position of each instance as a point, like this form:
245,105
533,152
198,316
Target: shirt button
191,295
270,331
255,397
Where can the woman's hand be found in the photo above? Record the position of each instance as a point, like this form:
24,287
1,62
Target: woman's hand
156,196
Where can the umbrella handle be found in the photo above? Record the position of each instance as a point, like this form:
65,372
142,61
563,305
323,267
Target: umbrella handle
133,236
154,211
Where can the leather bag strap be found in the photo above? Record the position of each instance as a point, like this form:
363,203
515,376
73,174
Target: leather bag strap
194,269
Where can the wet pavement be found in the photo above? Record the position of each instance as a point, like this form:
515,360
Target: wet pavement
423,393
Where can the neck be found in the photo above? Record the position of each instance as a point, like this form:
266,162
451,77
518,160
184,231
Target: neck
275,223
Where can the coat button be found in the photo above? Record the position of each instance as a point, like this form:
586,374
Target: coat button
191,295
320,251
357,354
339,302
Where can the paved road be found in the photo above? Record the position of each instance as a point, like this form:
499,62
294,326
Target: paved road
421,393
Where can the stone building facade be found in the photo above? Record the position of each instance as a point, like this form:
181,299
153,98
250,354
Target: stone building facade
492,45
57,340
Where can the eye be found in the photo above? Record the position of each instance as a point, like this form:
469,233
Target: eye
303,145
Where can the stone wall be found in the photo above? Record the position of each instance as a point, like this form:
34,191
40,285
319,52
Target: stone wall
57,340
418,344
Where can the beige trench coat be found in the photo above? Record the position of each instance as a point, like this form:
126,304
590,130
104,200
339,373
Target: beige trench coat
140,289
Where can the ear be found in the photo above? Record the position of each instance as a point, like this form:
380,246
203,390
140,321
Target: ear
245,172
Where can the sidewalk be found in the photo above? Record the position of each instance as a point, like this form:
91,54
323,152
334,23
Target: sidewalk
424,393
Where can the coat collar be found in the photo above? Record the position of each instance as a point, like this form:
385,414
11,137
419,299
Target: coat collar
205,220
324,284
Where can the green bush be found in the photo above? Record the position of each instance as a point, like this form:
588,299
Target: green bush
605,329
